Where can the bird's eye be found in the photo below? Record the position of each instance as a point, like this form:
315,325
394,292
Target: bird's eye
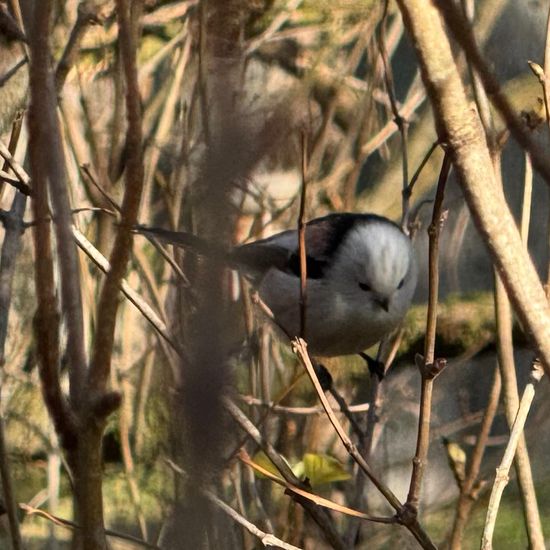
365,287
400,285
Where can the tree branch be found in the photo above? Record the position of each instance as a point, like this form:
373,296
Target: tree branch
108,302
462,130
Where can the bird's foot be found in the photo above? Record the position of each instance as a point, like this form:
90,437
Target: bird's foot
375,367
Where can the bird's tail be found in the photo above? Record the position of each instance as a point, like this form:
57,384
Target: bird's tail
184,240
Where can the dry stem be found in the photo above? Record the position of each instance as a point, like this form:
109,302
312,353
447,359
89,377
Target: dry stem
402,512
501,479
428,366
469,488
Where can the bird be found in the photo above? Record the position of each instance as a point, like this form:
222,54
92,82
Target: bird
361,277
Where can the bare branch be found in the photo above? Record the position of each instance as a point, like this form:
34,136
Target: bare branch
428,366
48,151
472,162
108,303
501,479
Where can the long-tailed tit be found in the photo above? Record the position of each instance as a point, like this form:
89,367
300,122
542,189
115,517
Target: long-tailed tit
361,276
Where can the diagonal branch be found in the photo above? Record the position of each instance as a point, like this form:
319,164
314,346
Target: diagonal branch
501,479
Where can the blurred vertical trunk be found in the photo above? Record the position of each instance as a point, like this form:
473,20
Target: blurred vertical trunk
200,427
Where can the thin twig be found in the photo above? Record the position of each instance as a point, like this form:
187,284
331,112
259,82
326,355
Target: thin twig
505,352
470,487
320,516
61,522
86,15
143,307
408,520
10,162
318,500
12,146
388,79
305,411
429,367
407,191
302,239
267,539
501,478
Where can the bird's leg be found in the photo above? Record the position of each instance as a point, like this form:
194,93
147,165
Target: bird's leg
375,367
325,379
324,376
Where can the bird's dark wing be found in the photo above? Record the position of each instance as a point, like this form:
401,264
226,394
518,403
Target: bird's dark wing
323,236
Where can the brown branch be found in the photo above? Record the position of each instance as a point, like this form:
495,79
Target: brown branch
302,240
463,34
402,512
47,143
429,367
470,487
86,15
61,522
47,316
108,303
464,134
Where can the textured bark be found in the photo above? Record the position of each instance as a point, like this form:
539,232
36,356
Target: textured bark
459,125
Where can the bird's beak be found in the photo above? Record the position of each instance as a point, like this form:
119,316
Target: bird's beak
384,303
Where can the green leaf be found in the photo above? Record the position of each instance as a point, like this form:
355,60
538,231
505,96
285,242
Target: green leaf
321,469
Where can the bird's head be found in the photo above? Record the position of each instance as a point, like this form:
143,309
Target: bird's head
375,263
